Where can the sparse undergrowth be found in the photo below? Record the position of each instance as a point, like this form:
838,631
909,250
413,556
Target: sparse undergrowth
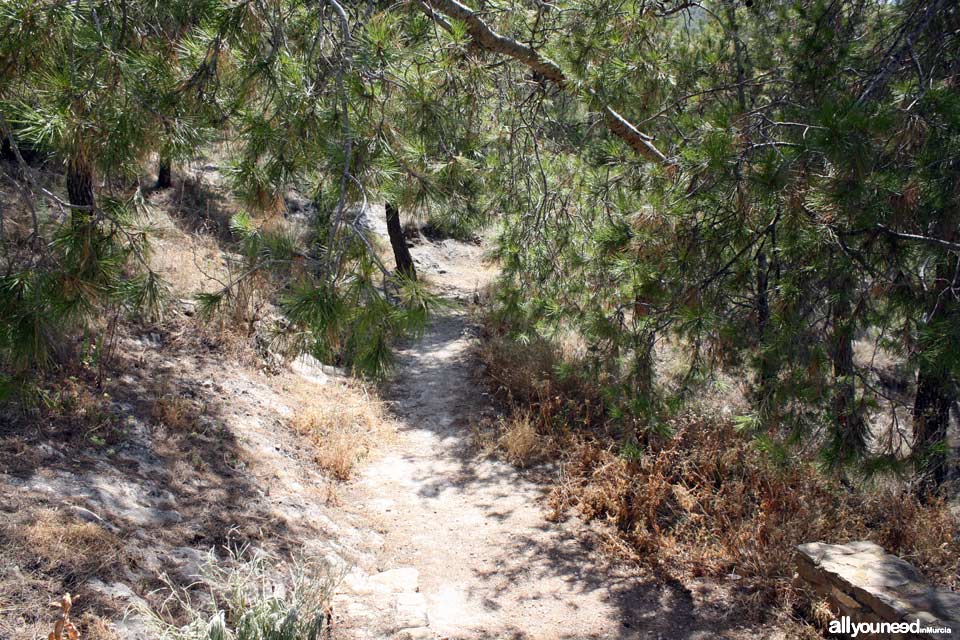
44,551
702,499
62,544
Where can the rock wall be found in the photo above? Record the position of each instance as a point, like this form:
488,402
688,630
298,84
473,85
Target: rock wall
867,584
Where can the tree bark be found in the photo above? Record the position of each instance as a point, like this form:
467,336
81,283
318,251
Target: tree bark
767,368
935,387
164,180
401,253
644,364
80,190
931,415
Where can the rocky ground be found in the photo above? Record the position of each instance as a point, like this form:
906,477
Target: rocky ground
153,494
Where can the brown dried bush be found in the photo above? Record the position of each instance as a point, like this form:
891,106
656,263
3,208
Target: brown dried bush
706,500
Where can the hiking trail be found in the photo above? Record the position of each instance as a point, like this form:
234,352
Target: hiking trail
467,549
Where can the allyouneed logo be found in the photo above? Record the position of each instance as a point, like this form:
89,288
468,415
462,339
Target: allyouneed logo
853,629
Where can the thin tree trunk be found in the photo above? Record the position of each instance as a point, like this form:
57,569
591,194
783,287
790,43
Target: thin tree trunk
80,190
851,429
644,364
935,387
766,366
164,180
400,251
762,302
931,415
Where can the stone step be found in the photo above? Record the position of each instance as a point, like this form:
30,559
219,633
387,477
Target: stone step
382,606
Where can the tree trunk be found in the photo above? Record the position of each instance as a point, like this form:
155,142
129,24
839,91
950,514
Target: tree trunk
851,429
931,415
763,302
80,191
644,371
400,251
935,387
163,174
767,370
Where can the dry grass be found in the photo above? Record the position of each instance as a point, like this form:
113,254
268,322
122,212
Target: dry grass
709,502
520,441
185,253
85,412
189,263
60,544
251,594
96,628
194,252
190,254
174,412
171,409
530,376
344,421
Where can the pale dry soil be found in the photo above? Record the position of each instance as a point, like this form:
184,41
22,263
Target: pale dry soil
470,532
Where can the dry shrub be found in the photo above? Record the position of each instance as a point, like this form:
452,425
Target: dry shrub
822,612
94,627
708,502
174,412
72,401
926,534
344,421
520,440
60,544
337,451
526,372
543,378
251,594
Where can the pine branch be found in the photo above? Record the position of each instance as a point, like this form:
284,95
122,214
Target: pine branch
347,136
898,51
26,191
936,242
492,41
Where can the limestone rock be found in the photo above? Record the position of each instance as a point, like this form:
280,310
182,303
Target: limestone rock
411,610
868,584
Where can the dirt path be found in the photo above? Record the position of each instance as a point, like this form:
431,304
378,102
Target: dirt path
488,562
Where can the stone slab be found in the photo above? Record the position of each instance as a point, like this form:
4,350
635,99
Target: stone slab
861,578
